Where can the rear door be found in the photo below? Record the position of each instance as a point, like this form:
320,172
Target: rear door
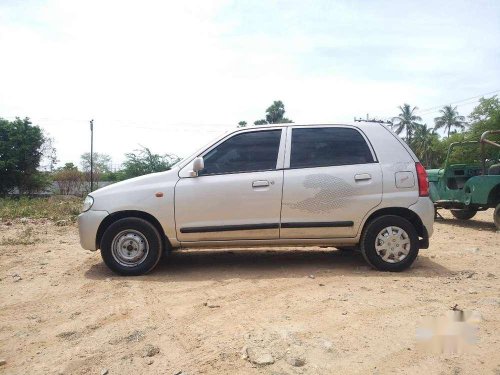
333,179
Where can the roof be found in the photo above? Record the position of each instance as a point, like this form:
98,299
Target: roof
348,123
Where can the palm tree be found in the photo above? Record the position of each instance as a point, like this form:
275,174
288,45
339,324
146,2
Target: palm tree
449,119
407,121
422,142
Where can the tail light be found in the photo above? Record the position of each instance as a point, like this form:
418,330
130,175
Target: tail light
423,180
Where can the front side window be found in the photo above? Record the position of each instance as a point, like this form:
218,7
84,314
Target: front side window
245,152
321,147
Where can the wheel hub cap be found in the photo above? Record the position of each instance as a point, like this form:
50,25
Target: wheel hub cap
130,248
392,244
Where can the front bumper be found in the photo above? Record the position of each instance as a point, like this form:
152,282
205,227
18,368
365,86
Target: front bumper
88,224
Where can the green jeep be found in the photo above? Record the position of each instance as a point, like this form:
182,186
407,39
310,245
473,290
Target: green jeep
468,186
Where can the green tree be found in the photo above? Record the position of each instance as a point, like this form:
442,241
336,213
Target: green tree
242,124
449,118
21,149
260,122
102,165
102,162
406,121
274,114
486,116
143,161
69,167
432,150
485,110
423,142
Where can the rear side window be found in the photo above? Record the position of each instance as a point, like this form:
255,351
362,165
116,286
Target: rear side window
246,152
321,147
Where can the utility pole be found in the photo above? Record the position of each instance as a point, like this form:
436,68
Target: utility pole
91,155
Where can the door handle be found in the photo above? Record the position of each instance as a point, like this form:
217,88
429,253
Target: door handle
260,183
362,177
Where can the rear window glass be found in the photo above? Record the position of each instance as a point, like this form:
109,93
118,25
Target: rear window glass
320,147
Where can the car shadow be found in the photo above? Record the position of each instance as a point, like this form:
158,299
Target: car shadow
471,223
220,265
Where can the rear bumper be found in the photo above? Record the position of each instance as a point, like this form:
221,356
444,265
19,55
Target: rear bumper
88,224
424,208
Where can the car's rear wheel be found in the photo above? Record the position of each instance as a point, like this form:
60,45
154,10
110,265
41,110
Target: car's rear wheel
390,243
465,214
131,246
496,216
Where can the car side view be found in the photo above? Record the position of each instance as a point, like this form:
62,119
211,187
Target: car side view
348,185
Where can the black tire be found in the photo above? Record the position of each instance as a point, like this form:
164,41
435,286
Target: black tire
496,216
369,238
145,229
464,214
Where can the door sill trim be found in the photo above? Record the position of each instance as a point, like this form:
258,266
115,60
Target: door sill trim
229,228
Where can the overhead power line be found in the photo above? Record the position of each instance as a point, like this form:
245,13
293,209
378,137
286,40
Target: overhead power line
437,108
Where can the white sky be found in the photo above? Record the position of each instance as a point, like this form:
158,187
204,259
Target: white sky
173,75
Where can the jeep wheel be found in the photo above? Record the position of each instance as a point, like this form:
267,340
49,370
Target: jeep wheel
496,216
464,214
390,243
131,246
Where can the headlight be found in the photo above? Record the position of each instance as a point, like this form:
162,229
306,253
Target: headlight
87,203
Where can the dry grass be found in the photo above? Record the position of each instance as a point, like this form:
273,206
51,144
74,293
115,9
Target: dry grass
53,208
27,236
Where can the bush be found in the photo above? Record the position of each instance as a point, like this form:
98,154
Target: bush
69,181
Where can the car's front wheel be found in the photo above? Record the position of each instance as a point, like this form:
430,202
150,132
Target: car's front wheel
131,246
390,243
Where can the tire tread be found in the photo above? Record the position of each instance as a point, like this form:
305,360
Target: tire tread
132,223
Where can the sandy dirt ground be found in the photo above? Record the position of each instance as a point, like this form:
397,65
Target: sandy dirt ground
293,311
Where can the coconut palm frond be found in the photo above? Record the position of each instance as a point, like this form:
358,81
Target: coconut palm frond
449,119
406,121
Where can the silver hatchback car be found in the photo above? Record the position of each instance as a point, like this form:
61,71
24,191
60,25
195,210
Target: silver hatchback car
349,186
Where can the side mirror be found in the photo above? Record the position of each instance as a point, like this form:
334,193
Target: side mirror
198,165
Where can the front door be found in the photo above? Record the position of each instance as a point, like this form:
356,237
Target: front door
237,196
332,182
